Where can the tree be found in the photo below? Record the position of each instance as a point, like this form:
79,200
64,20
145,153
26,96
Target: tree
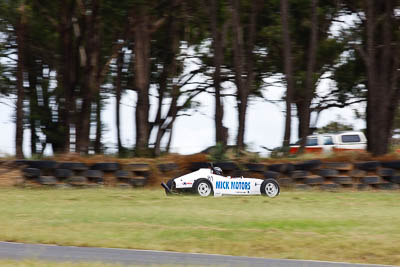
243,61
20,29
219,24
380,51
288,70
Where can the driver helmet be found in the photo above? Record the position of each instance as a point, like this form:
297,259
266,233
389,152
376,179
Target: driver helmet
218,170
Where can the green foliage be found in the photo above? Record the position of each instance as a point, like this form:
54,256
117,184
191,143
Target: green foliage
218,153
334,127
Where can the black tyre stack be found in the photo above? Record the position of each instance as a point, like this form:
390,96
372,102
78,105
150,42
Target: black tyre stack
40,172
390,173
109,170
336,175
256,170
365,175
281,172
137,174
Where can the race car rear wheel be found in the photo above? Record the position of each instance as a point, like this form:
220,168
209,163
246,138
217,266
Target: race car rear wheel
203,187
270,188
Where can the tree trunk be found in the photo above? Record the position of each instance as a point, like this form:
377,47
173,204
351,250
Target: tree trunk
238,59
67,71
218,59
91,85
287,55
381,62
118,92
169,139
33,103
97,142
142,82
304,113
19,132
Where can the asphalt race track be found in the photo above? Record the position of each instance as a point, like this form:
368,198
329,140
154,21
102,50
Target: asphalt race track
20,251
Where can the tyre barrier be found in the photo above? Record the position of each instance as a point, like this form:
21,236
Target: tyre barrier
366,175
77,174
167,167
254,167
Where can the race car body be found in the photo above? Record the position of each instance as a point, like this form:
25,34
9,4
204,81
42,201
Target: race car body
206,182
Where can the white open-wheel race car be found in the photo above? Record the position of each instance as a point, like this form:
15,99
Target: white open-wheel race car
210,181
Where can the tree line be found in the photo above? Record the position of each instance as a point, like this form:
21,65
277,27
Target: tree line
59,59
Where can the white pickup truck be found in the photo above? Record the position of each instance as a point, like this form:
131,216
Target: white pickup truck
343,141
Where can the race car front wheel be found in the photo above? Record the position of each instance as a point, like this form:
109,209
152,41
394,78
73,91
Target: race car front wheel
203,187
270,188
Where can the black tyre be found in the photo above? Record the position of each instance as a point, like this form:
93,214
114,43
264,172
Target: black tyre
357,173
97,180
308,165
385,172
42,164
340,166
285,181
277,167
202,187
395,179
342,179
271,174
226,166
21,162
93,174
393,164
314,180
138,181
137,167
329,187
75,166
368,165
387,186
328,172
106,166
123,174
47,180
299,174
31,173
194,166
270,188
77,180
167,167
63,173
371,180
363,187
254,167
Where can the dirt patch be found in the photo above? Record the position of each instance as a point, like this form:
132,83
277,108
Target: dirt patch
10,175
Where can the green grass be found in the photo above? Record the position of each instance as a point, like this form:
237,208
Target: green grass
348,226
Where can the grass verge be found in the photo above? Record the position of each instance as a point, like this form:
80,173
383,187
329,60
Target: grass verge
348,226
